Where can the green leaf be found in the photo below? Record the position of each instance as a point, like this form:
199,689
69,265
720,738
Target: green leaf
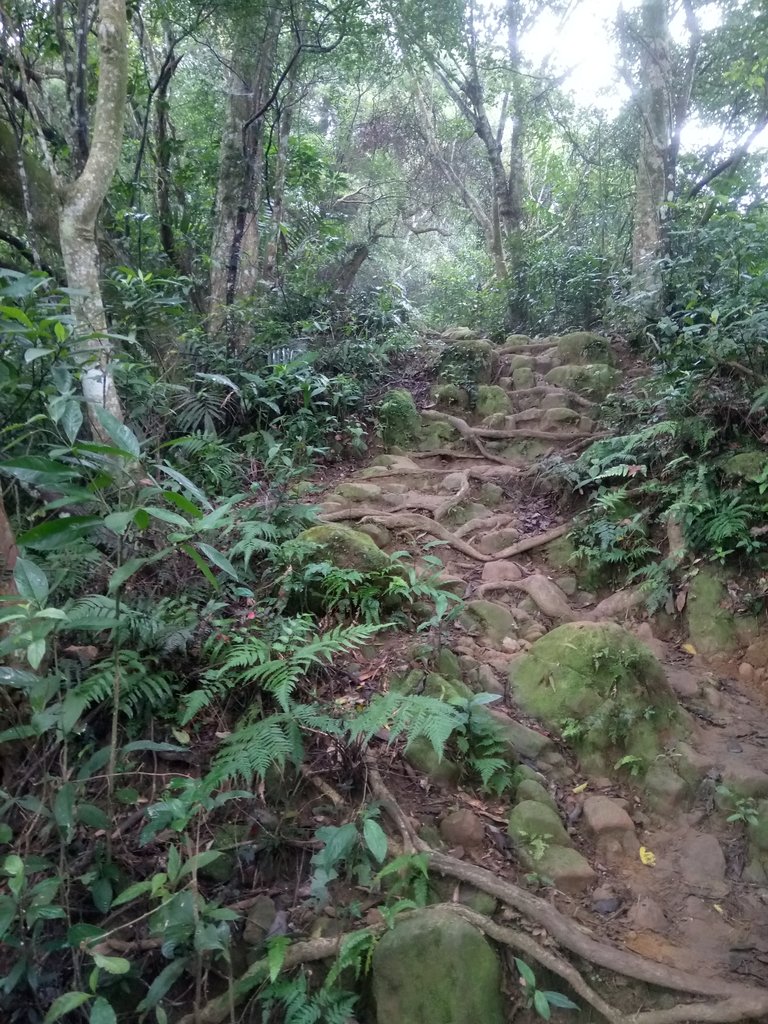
31,354
180,501
72,420
119,522
92,816
375,839
199,860
7,913
541,1005
162,984
201,565
123,436
526,974
277,947
65,1004
165,515
56,533
132,892
174,864
187,484
101,894
560,1001
123,573
219,560
36,653
31,582
112,964
64,808
102,1012
6,833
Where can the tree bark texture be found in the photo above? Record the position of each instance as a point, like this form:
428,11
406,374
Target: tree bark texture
235,247
81,201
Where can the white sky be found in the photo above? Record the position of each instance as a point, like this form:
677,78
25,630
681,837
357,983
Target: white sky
586,44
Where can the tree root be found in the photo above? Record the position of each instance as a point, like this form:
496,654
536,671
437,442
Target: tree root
467,432
489,523
473,434
542,591
547,389
449,504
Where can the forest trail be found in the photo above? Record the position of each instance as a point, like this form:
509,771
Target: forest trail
652,864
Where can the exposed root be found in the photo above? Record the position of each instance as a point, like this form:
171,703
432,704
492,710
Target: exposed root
449,504
322,786
529,543
546,594
620,603
550,389
527,348
473,434
488,523
411,842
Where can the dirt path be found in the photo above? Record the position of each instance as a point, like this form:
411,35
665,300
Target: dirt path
674,885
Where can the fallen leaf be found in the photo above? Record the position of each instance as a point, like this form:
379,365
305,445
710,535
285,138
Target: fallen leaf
581,788
689,649
647,857
718,908
681,599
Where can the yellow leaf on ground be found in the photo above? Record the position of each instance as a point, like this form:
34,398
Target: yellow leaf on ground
647,857
689,649
581,788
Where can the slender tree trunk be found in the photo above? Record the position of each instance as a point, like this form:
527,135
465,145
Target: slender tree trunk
80,204
655,176
235,247
285,120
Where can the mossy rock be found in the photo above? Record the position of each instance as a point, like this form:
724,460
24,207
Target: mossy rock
492,399
526,362
464,512
491,495
449,397
530,789
711,627
421,755
523,378
345,548
584,347
399,419
517,339
530,819
459,334
746,465
594,380
435,968
440,688
602,683
490,618
560,553
359,491
437,434
468,362
447,664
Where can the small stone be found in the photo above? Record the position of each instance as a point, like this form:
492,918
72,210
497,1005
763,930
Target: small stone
605,900
523,378
463,828
491,495
757,654
703,864
685,683
501,571
746,672
558,419
487,681
492,619
647,916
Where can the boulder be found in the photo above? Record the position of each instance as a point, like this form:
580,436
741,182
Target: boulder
459,334
380,535
515,362
490,495
612,827
399,419
517,339
259,920
594,381
435,968
519,741
345,548
711,627
665,790
492,399
559,418
421,755
604,684
437,434
703,865
468,362
584,347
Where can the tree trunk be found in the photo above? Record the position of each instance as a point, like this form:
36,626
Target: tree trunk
276,243
655,178
80,204
235,247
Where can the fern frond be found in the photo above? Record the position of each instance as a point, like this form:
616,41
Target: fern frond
413,715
